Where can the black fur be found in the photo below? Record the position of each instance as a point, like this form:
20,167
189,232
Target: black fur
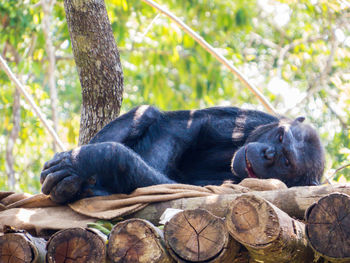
146,147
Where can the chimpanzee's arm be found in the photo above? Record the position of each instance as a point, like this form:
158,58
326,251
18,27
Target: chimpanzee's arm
97,168
110,166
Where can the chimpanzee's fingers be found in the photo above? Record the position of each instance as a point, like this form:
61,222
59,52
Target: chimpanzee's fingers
51,170
64,163
67,189
55,159
52,179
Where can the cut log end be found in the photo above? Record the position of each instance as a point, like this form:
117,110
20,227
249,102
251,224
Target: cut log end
328,227
196,235
15,248
136,240
75,245
269,234
252,221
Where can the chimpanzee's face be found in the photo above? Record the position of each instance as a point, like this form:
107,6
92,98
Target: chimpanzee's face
290,152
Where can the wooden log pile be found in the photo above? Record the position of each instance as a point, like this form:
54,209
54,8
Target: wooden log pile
252,229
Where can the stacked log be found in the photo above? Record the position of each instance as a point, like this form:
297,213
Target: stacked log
137,240
251,228
293,201
269,234
328,227
21,247
75,245
199,236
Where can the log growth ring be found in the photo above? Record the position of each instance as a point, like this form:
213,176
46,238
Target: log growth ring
196,235
15,249
250,218
328,226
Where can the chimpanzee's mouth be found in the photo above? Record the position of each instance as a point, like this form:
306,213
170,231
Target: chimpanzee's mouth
249,168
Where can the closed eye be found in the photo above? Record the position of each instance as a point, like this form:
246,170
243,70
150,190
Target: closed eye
286,162
280,133
288,157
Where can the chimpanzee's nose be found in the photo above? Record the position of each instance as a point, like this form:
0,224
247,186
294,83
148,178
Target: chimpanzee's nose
270,153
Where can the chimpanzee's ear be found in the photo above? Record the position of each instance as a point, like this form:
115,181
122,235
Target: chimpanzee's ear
300,119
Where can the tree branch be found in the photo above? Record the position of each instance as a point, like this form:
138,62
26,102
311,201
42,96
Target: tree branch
217,55
264,41
47,7
319,81
342,122
336,171
16,119
31,102
285,49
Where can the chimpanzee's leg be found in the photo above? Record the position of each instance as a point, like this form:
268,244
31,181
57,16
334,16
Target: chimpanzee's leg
129,126
110,166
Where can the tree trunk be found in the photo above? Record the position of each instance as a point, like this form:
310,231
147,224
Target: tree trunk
268,233
198,236
328,227
75,245
294,201
136,240
97,59
22,248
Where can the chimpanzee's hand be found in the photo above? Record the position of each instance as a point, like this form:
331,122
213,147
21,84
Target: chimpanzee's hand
60,179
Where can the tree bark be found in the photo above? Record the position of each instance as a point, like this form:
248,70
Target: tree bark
294,201
75,245
328,227
22,248
136,240
199,236
268,233
98,64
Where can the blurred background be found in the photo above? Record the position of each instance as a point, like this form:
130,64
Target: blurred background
296,52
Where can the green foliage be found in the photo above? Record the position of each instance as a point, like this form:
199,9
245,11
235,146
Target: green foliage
165,67
16,21
23,45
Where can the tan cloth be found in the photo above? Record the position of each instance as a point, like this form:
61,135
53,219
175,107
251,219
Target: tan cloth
108,207
38,212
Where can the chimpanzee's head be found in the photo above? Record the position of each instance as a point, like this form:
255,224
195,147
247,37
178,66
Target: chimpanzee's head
286,150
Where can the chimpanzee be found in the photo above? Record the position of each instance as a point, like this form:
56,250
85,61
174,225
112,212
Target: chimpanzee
147,147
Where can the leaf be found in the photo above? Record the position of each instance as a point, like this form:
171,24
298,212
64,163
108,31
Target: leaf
241,17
